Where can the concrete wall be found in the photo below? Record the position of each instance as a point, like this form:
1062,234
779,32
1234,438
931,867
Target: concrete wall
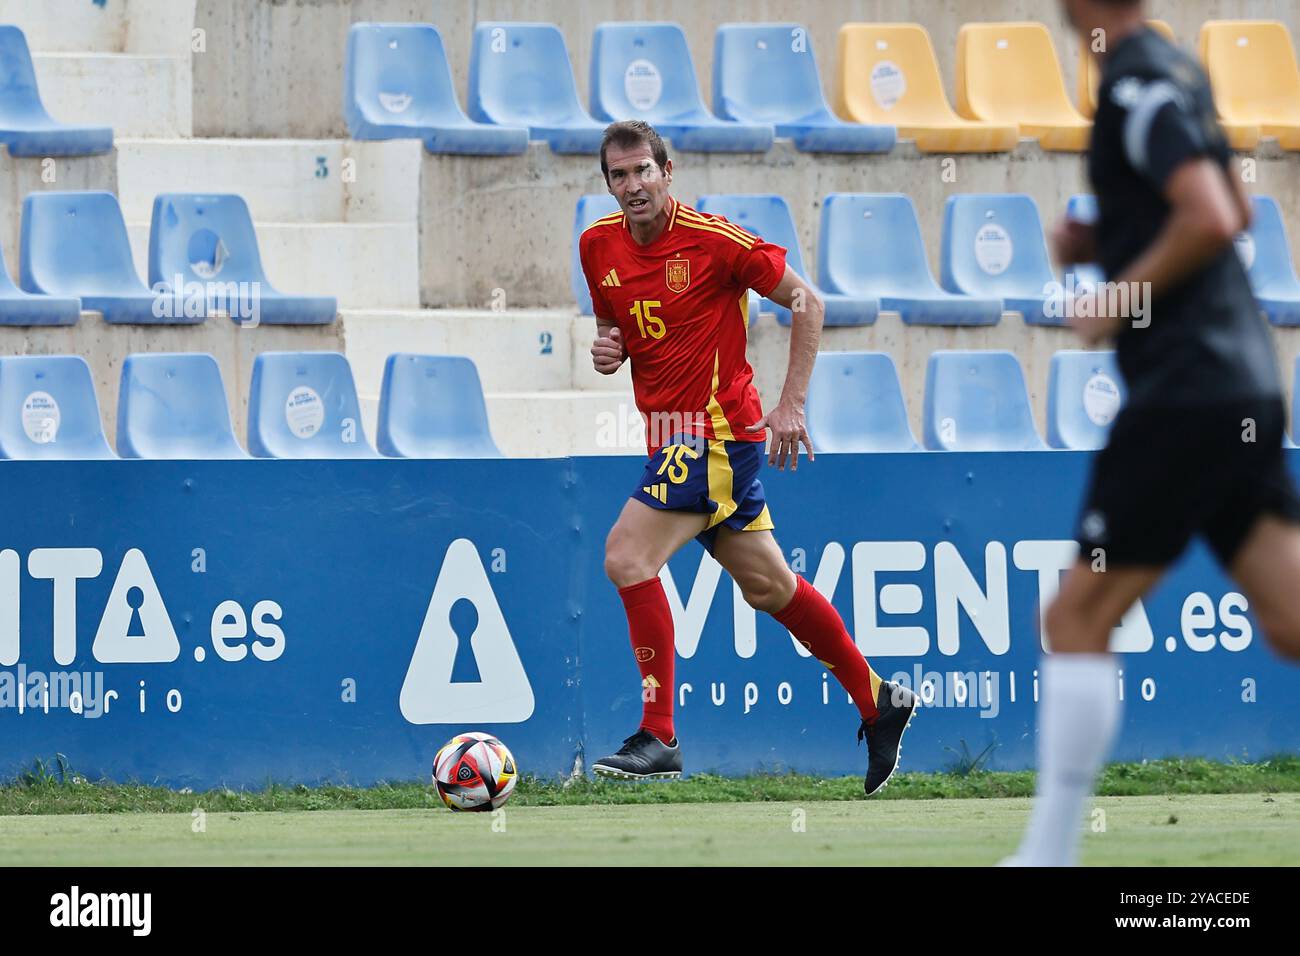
105,347
275,67
506,223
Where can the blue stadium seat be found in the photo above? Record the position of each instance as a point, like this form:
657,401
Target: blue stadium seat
75,244
591,206
173,405
993,247
855,403
768,216
431,406
976,401
304,405
1266,254
25,127
766,73
644,71
870,246
397,85
520,75
48,409
1084,394
209,243
22,308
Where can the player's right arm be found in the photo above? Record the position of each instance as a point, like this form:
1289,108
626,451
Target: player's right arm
607,351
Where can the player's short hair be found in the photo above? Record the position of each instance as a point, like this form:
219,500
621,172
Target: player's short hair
626,134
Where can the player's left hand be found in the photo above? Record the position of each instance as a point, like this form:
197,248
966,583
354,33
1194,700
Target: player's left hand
788,430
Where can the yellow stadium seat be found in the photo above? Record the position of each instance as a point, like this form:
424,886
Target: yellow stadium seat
1090,69
1009,73
1253,73
887,73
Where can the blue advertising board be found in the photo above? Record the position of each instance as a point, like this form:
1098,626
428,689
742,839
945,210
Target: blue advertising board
238,623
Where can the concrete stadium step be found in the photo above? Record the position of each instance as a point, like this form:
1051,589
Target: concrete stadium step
136,94
362,264
550,424
516,350
282,180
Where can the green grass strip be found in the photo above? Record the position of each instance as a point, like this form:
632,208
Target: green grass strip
53,789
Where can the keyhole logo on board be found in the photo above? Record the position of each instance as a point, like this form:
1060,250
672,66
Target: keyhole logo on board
465,668
135,628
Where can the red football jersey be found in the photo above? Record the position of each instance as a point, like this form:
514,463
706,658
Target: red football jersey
681,305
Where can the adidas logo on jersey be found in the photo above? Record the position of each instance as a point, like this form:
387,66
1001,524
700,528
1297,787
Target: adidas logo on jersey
659,492
611,280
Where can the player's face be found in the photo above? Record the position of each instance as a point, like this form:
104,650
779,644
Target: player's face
637,182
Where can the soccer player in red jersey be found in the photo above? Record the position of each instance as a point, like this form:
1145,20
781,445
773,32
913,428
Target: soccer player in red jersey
670,287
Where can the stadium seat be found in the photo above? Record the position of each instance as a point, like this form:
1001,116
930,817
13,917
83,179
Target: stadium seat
976,401
994,247
1084,394
855,404
767,73
888,73
48,409
25,127
644,71
75,244
431,406
22,308
1088,81
208,243
1254,76
1009,73
304,405
591,206
520,75
870,247
1266,253
768,216
397,85
173,405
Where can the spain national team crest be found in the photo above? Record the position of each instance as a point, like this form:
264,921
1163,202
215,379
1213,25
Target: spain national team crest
677,274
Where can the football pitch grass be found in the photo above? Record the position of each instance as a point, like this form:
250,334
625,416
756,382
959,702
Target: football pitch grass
1189,812
1184,830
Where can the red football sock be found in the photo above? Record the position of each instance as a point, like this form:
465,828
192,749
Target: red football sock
650,624
818,626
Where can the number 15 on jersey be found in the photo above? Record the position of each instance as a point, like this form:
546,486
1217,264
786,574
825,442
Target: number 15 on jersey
649,324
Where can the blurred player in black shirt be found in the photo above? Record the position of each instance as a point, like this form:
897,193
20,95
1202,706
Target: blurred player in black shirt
1197,449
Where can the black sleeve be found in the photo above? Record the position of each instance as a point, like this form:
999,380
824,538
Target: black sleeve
1163,129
